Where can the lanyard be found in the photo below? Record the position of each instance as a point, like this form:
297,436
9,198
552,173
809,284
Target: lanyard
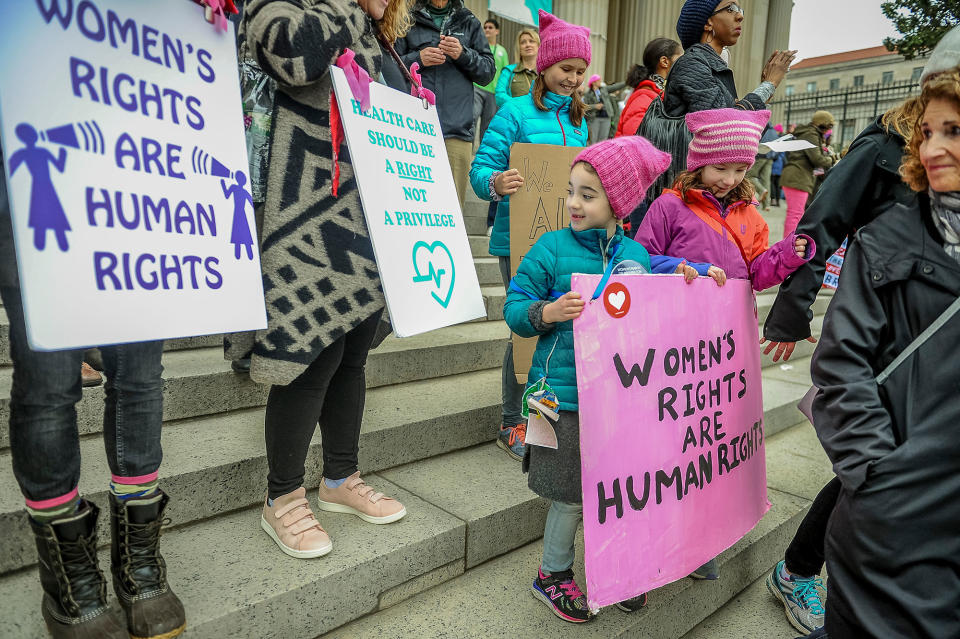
607,273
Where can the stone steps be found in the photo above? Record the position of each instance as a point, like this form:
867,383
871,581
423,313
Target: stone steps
751,614
200,382
493,600
216,464
464,508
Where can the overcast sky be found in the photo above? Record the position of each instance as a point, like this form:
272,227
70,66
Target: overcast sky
821,27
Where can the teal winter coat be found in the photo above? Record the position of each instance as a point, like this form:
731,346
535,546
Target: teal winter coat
544,275
520,121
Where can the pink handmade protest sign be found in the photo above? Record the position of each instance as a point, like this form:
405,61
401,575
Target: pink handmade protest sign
671,428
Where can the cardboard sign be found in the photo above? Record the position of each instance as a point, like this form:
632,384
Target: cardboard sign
671,428
122,131
831,277
537,208
411,207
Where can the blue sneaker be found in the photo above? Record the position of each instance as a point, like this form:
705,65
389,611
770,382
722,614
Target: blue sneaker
800,597
512,439
708,571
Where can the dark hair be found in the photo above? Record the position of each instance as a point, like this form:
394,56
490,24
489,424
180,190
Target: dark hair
577,107
493,21
655,49
587,166
687,180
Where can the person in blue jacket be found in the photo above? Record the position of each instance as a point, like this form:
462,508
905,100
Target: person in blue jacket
607,181
552,113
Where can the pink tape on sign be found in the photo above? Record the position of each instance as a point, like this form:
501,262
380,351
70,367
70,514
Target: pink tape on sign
219,8
417,90
357,78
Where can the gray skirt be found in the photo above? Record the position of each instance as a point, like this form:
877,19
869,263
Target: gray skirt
555,474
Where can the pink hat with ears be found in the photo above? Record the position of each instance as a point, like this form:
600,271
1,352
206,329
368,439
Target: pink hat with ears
724,135
778,128
561,40
626,166
593,78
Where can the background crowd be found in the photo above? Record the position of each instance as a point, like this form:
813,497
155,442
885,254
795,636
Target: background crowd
890,548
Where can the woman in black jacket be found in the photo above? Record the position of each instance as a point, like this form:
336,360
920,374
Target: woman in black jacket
892,544
862,186
700,79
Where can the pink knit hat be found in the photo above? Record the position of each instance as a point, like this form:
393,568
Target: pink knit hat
561,40
626,166
593,78
724,135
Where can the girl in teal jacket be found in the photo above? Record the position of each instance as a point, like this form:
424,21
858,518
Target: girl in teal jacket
606,182
552,113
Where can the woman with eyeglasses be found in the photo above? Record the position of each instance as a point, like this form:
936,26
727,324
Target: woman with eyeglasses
700,79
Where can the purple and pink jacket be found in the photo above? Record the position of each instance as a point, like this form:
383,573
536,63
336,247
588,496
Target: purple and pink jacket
674,227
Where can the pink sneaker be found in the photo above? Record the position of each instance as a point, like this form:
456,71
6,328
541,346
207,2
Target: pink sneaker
291,524
355,497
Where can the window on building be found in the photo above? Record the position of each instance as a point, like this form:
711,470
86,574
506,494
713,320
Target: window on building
858,80
848,130
789,89
811,87
887,77
834,84
917,72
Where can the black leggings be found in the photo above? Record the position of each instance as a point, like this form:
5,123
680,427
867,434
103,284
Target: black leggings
331,391
804,556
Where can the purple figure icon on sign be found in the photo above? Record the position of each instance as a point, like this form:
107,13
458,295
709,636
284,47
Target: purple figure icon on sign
240,234
46,212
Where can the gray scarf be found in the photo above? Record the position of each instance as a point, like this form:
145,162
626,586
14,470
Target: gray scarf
946,217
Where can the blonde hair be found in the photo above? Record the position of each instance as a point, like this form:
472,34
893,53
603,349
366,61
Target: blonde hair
397,20
901,118
687,180
945,86
577,106
516,47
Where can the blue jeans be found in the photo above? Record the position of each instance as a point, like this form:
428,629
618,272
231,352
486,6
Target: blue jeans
511,391
44,442
559,536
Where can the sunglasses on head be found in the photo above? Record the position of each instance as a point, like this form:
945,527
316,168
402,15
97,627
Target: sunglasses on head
730,8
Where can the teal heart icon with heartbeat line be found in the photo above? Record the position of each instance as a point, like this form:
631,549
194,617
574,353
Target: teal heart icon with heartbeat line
438,266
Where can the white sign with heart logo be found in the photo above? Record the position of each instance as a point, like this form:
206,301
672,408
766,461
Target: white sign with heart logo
411,207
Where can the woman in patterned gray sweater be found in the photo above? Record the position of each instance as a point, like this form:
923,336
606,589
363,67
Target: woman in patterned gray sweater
320,279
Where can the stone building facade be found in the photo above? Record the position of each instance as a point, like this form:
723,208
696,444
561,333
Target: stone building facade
620,29
855,86
862,67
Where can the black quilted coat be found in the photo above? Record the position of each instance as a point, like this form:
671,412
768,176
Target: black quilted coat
701,80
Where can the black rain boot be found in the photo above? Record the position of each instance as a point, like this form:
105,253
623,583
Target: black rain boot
139,571
74,588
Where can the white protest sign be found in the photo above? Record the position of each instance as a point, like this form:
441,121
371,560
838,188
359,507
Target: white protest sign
411,207
786,143
123,140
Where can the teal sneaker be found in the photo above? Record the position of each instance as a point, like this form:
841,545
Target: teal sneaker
800,598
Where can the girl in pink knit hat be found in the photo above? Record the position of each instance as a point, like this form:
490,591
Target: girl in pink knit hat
552,113
710,214
607,181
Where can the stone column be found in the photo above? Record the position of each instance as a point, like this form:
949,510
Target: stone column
778,26
593,14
